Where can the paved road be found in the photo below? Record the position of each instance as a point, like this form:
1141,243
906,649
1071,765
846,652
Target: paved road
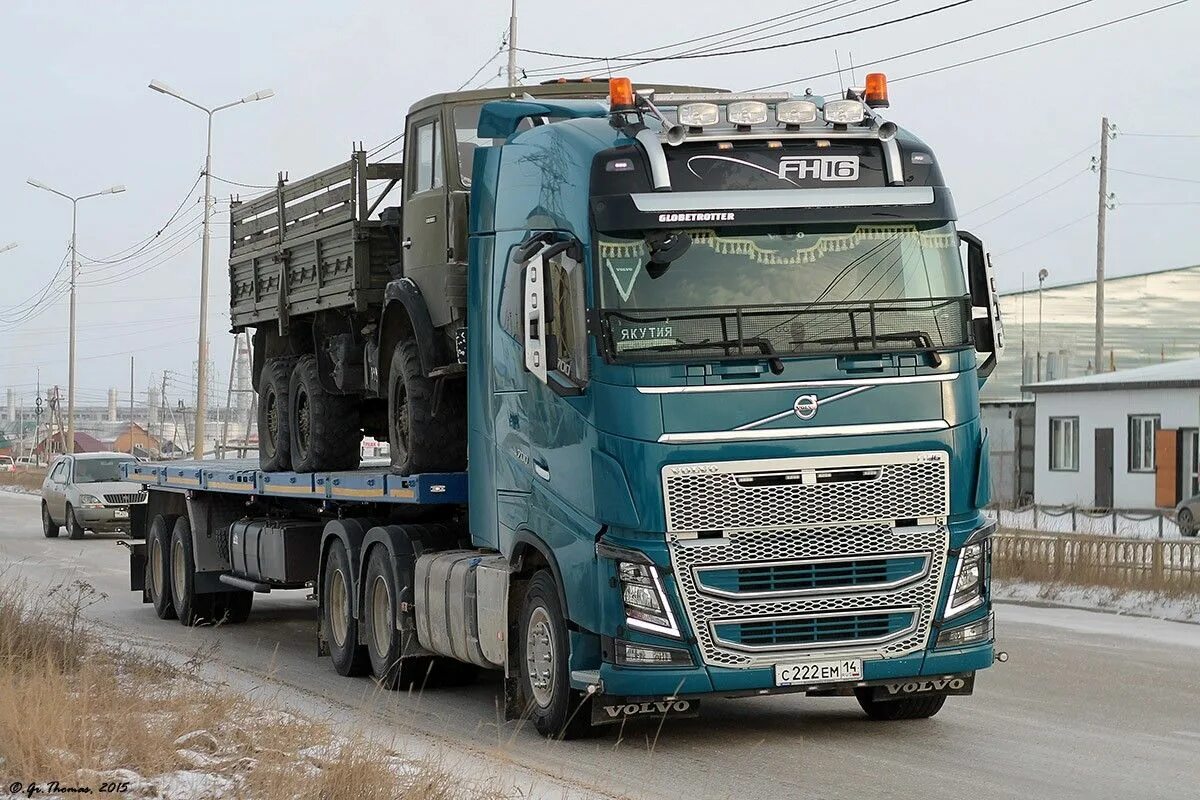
1089,706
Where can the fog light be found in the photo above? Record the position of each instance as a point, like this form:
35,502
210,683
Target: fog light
630,654
845,112
981,630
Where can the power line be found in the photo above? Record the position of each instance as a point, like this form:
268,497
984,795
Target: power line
778,46
1155,177
139,247
1088,215
482,66
1023,185
820,8
990,220
243,185
1163,135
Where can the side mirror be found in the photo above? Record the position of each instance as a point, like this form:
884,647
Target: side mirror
986,324
555,318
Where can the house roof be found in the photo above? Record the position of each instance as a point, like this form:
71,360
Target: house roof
1183,374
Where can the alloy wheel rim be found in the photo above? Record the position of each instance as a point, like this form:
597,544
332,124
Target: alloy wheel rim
539,656
339,609
381,602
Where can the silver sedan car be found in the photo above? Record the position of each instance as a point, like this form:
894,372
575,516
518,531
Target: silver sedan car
84,491
1187,516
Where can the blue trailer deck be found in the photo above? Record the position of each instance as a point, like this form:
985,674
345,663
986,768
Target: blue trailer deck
242,476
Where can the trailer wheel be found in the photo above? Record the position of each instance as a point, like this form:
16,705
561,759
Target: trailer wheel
906,708
158,571
326,433
50,528
557,711
420,440
190,607
274,415
337,614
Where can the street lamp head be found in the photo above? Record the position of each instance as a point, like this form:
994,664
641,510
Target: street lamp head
1043,274
8,247
114,189
38,184
159,86
262,94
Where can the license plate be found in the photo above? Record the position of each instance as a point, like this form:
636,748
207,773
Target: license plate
812,672
121,513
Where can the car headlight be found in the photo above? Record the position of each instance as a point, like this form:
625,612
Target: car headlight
967,589
646,606
90,501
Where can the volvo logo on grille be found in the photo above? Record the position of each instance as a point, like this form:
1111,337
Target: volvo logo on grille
693,469
805,406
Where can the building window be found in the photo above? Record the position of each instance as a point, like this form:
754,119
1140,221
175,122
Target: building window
1064,444
1141,441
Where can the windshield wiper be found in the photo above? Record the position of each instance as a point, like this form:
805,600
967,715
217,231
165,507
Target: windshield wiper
764,346
920,338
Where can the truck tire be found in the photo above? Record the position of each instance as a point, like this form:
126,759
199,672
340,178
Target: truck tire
74,529
906,708
326,434
337,614
158,568
556,710
50,528
420,440
384,647
274,415
190,607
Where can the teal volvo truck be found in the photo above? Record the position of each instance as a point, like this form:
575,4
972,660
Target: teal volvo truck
713,363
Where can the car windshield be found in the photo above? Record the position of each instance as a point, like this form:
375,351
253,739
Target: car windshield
821,288
95,470
6,460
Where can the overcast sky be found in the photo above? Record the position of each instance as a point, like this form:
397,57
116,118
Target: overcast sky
78,116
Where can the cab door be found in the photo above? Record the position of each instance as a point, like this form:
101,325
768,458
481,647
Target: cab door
425,212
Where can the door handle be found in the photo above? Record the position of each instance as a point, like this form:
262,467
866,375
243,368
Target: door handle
407,243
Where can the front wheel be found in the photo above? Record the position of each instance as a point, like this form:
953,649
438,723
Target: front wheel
1186,522
74,529
420,439
556,710
50,528
906,708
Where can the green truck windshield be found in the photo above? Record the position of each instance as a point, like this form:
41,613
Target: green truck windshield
827,288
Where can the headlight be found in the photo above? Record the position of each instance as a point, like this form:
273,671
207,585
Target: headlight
747,112
845,112
632,654
697,115
646,606
981,630
966,592
90,501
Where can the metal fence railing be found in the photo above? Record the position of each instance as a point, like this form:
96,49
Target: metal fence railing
1168,565
1131,523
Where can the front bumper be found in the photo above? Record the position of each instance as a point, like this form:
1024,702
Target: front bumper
107,519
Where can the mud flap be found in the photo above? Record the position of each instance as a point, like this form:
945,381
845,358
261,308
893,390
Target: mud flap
610,710
961,684
137,569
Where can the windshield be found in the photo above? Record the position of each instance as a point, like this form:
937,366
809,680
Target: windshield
95,470
824,288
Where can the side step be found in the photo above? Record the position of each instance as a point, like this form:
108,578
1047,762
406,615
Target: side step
243,583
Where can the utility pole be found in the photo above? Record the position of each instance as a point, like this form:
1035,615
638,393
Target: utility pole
1101,219
512,45
1042,273
131,405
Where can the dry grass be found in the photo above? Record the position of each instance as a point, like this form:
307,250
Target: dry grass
1167,566
77,711
30,479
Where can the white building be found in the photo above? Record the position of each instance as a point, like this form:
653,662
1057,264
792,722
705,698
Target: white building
1125,439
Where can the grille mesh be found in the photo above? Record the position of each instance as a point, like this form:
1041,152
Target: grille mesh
125,499
815,630
705,611
715,501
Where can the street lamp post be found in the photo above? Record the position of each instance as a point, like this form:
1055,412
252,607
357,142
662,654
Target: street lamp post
202,363
70,447
1042,275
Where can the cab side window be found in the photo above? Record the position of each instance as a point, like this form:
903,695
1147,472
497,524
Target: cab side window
60,471
429,166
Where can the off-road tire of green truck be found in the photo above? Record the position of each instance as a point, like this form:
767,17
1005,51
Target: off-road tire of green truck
326,433
420,440
274,415
568,713
158,548
906,708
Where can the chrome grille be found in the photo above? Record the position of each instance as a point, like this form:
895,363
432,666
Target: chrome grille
818,514
785,492
124,499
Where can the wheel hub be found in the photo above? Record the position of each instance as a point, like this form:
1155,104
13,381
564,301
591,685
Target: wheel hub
178,571
539,657
156,568
339,609
381,604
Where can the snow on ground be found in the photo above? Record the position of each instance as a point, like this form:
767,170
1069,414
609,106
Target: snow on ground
21,490
1177,608
1099,525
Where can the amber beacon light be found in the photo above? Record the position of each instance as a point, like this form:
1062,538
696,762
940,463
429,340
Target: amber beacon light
620,91
876,95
